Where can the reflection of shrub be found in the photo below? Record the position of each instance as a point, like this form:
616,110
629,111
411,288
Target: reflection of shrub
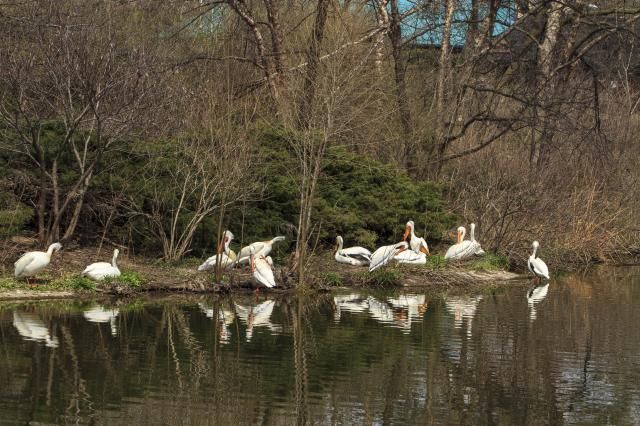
14,215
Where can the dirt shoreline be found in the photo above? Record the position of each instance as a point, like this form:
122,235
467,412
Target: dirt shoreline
420,281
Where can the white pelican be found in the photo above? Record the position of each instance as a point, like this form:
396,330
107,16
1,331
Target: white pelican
260,248
537,265
384,254
101,270
411,257
227,256
261,269
477,250
257,316
462,249
99,314
534,296
356,256
417,244
33,262
31,327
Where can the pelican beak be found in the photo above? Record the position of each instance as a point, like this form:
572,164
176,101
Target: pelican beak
425,250
406,233
400,250
253,263
459,237
335,248
221,246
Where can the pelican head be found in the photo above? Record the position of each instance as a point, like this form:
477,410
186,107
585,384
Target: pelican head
228,236
461,232
408,229
339,243
536,245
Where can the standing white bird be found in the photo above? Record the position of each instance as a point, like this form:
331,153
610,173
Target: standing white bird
227,256
477,249
101,270
462,249
260,248
537,265
384,254
33,262
261,269
417,244
356,256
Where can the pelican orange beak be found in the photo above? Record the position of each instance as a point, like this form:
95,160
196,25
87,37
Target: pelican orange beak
458,240
406,233
425,250
400,250
335,247
252,262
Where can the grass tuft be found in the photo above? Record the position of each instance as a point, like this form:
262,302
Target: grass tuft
332,279
490,262
382,278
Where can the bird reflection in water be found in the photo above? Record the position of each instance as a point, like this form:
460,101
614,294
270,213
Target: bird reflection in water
535,296
225,319
31,327
257,316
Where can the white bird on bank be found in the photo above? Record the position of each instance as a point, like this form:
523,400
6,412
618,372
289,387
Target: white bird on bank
417,244
462,249
227,256
537,265
261,269
477,249
101,270
356,256
260,248
33,262
385,254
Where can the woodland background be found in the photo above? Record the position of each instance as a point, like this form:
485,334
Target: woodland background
153,126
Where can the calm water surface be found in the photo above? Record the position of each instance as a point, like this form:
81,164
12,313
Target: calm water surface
566,353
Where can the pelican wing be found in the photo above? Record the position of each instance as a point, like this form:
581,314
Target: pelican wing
211,262
263,273
21,264
357,252
94,266
245,252
538,267
355,261
383,255
411,257
460,251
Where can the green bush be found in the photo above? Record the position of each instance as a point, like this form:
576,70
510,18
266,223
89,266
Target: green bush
14,215
436,261
382,278
332,279
131,278
490,262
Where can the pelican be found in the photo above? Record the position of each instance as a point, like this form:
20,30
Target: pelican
534,296
31,327
260,248
261,269
417,244
33,262
537,265
384,254
462,249
101,270
356,256
477,250
411,257
227,256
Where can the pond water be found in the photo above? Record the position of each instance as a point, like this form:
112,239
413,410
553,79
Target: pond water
566,353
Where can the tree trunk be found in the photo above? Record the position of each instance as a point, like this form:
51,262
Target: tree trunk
443,73
313,59
399,67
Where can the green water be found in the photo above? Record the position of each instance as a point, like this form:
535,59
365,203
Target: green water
568,354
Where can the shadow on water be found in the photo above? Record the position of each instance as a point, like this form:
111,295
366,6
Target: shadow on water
564,352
